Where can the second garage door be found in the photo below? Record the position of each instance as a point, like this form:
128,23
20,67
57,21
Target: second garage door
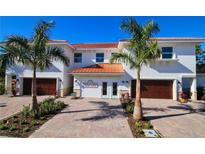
154,89
44,86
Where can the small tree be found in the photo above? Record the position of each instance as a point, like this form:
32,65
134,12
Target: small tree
198,49
141,51
34,52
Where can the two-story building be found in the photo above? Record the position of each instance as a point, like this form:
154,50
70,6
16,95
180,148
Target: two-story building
91,75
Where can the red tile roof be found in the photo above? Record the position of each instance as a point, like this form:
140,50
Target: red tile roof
99,68
95,45
173,39
178,39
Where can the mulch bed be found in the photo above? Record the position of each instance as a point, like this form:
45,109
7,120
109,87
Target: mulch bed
24,126
137,132
142,124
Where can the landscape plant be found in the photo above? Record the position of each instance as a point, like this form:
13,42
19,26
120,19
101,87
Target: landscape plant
34,52
24,123
141,50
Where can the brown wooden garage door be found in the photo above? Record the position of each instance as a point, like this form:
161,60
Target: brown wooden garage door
154,89
44,86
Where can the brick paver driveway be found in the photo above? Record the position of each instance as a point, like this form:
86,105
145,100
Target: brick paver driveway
12,105
87,118
173,119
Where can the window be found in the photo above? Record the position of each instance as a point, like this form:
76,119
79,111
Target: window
104,88
114,88
99,57
77,57
167,52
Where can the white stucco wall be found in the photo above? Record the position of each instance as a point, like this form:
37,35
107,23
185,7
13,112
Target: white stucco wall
56,71
184,64
89,56
97,91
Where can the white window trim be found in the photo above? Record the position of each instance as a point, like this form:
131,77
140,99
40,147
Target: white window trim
100,57
78,57
174,57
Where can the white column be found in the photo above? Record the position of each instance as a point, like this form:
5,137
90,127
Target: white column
179,87
20,86
17,85
175,90
194,89
8,80
60,87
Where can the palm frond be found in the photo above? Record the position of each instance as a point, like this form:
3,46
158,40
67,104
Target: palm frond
140,50
57,53
131,26
9,55
41,34
150,29
122,58
18,41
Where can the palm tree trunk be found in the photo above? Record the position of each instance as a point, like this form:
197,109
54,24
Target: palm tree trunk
34,105
138,115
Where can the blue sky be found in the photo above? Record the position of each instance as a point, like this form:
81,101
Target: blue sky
101,29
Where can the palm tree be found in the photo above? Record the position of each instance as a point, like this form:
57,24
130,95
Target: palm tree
34,52
141,51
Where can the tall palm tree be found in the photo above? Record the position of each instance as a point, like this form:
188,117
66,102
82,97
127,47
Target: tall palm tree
34,52
141,51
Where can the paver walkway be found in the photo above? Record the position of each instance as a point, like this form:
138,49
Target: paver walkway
176,120
12,105
86,118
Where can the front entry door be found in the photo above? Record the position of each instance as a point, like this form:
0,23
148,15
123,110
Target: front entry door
114,90
104,90
109,90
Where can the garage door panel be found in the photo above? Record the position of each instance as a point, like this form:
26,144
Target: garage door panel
154,89
43,86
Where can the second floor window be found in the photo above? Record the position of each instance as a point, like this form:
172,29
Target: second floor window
100,57
167,52
78,58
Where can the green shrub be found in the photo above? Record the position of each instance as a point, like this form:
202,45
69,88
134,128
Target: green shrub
140,131
148,125
42,118
13,127
2,88
46,107
130,107
138,128
26,112
34,123
138,124
26,129
124,105
3,126
49,106
24,122
201,93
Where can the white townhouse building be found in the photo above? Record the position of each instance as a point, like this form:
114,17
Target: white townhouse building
91,75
